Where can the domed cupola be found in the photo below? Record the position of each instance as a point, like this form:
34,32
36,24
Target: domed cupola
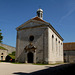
40,13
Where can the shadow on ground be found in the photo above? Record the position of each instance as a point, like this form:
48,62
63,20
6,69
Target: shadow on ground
57,70
20,73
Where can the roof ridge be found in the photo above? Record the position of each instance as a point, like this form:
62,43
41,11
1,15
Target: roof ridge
38,19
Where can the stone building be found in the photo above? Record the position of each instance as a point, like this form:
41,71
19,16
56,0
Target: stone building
9,48
69,52
3,53
38,42
5,50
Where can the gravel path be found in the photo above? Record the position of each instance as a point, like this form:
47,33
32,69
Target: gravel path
13,69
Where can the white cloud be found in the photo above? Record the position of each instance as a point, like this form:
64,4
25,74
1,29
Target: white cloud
66,15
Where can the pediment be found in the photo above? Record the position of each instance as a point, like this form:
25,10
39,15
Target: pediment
37,22
32,23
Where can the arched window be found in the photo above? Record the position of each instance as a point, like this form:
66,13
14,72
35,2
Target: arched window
52,36
59,47
1,57
52,42
56,39
41,14
1,53
56,44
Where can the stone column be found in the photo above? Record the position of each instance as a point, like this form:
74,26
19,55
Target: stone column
50,51
26,58
34,59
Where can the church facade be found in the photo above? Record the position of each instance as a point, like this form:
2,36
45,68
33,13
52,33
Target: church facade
38,42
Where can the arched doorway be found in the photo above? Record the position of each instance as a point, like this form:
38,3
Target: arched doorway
30,57
1,58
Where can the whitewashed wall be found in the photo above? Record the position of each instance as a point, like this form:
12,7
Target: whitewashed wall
55,52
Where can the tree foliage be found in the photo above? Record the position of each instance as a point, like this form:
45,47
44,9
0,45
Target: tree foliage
1,37
12,55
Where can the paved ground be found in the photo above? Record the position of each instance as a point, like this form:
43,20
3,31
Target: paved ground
16,69
29,69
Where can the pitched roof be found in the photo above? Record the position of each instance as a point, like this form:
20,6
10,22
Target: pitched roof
48,24
30,20
38,19
2,48
69,46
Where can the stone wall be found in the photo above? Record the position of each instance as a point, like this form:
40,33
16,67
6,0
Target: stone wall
3,54
55,48
69,56
49,50
40,42
9,48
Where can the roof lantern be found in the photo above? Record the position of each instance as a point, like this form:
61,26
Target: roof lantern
40,13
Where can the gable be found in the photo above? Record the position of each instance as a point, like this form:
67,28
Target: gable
37,22
34,22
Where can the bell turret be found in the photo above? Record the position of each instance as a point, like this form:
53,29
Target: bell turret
40,13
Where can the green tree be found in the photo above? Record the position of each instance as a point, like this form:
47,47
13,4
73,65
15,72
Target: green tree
1,37
12,55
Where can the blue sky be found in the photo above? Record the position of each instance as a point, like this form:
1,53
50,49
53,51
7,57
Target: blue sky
59,13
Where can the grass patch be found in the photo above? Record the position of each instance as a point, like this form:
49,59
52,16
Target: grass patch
49,64
37,63
2,48
2,61
17,63
40,64
12,56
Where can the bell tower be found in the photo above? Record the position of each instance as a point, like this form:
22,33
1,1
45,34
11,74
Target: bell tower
40,13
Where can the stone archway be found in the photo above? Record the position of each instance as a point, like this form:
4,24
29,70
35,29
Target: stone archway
1,58
30,57
30,53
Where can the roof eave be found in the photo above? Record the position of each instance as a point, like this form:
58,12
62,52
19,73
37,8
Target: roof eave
52,28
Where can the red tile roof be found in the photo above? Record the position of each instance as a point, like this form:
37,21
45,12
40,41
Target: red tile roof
38,19
69,46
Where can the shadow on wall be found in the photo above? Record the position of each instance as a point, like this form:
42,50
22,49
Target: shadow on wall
21,57
57,70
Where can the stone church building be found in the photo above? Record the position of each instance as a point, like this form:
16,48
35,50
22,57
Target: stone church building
38,42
